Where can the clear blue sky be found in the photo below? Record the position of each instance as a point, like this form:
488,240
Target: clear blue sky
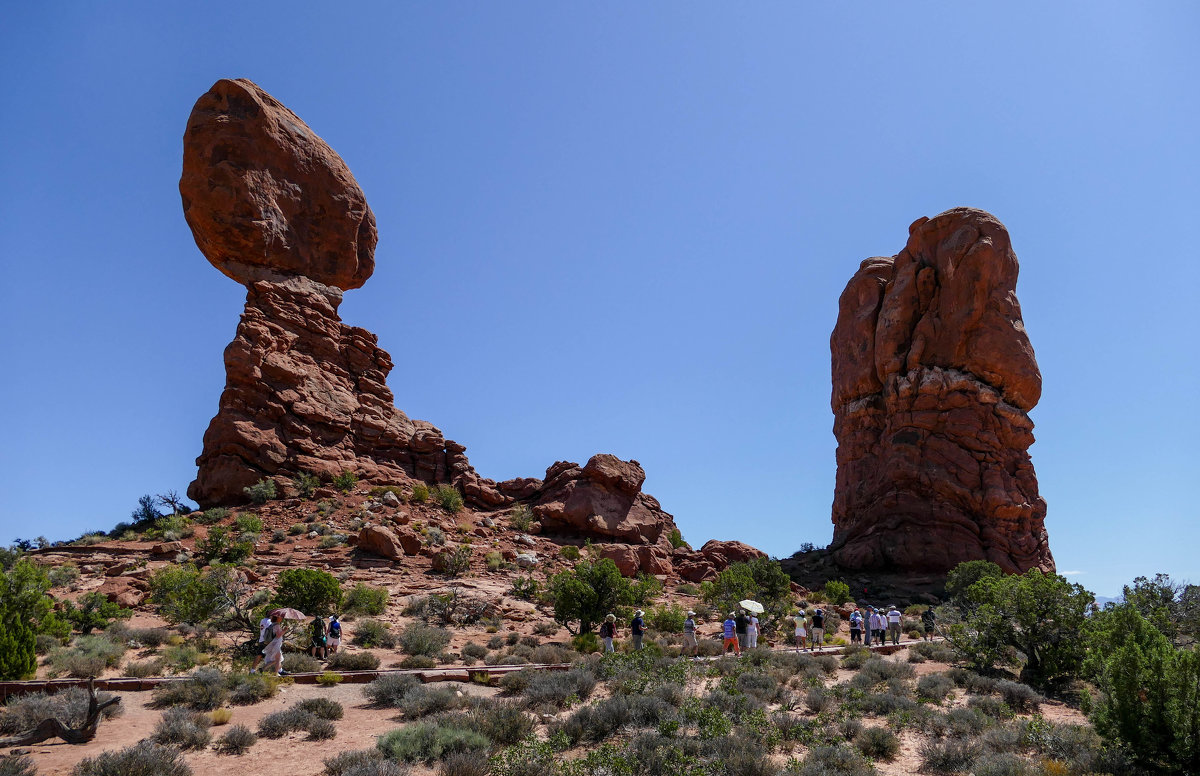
619,228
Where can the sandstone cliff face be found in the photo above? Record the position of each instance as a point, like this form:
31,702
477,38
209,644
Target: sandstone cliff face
276,209
933,379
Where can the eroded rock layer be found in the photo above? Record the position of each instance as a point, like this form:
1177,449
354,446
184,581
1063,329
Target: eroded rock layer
933,380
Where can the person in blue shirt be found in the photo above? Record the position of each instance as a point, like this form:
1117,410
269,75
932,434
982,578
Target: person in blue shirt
637,628
730,634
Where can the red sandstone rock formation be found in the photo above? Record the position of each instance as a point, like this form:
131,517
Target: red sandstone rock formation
933,379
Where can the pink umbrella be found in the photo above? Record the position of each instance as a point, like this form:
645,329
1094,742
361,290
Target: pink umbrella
288,614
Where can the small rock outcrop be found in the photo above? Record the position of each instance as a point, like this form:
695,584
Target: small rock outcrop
933,380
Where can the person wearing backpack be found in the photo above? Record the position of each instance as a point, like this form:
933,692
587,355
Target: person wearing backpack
263,624
608,632
273,653
334,639
689,636
818,628
855,627
318,637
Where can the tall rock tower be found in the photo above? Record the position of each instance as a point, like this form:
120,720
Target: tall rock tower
933,380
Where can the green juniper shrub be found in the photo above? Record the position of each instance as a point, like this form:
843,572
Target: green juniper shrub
145,758
389,690
675,537
352,661
94,612
430,741
363,599
262,491
221,546
837,592
373,633
183,728
306,484
525,588
312,591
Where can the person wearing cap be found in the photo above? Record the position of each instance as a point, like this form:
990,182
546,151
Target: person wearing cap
729,631
689,635
608,632
855,626
867,626
878,627
893,624
637,627
801,631
818,628
335,634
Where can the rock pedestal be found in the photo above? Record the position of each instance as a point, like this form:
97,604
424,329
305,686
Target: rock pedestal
933,380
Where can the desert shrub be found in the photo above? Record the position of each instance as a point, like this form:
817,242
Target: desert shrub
434,536
248,689
301,663
17,765
990,706
454,562
448,498
521,517
279,723
950,755
43,643
309,590
221,545
352,661
363,599
546,628
525,588
248,524
502,723
569,552
966,721
818,699
203,690
837,592
557,687
760,685
423,701
220,716
549,653
934,687
69,706
667,618
211,516
144,668
182,728
833,761
237,740
295,529
1019,697
373,633
320,730
516,682
877,670
363,762
88,656
878,743
261,492
145,758
64,575
417,661
473,650
417,639
429,741
854,657
465,764
322,708
1001,764
150,637
494,561
94,612
587,593
390,690
345,481
675,537
972,682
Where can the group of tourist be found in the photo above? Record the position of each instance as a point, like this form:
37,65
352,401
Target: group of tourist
740,629
326,638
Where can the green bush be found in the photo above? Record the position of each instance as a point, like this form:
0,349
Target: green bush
417,639
676,539
345,481
182,728
312,591
456,562
145,758
88,656
237,740
17,765
837,592
569,552
363,599
430,741
306,484
352,661
667,618
203,690
17,647
373,633
211,516
324,708
248,524
878,743
448,498
221,545
520,518
94,611
420,493
390,690
248,689
261,492
585,594
526,588
63,575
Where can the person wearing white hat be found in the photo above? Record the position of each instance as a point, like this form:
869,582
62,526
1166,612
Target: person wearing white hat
637,628
608,631
689,635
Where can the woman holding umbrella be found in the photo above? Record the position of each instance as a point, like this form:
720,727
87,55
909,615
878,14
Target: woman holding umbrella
273,652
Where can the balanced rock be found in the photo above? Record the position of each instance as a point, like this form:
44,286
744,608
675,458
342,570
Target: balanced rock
603,499
933,380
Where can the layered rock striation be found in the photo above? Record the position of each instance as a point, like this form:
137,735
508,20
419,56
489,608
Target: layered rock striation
933,380
273,207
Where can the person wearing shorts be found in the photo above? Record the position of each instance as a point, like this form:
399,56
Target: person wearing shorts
855,627
729,632
334,639
801,632
818,628
689,635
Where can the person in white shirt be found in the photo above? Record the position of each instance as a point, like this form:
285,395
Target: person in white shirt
879,626
752,632
263,624
893,624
